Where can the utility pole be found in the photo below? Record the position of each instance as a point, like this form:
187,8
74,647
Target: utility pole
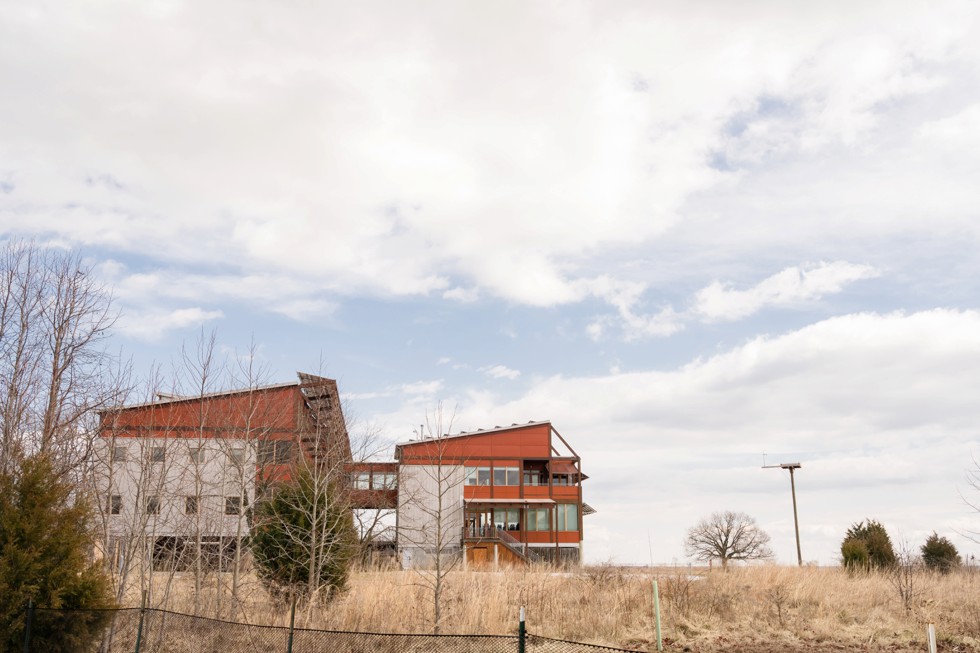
792,484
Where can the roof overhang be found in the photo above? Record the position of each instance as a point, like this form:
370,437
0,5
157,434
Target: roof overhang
470,502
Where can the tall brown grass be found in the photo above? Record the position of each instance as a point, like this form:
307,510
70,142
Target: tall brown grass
787,606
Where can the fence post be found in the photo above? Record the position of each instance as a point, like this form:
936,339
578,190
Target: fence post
521,633
27,625
656,610
931,637
292,621
139,630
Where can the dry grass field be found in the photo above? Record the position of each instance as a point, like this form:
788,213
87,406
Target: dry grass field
764,608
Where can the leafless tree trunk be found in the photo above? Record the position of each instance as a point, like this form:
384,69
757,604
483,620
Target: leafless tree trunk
431,513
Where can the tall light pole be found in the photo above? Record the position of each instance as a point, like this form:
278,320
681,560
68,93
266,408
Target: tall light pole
792,484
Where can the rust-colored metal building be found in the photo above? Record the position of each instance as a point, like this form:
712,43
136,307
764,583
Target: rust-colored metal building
187,468
502,495
183,468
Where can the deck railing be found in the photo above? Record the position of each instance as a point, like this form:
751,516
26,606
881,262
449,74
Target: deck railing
491,532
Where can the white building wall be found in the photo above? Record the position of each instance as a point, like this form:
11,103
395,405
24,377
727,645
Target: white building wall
227,470
429,495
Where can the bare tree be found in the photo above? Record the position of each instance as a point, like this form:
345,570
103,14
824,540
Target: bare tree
430,512
54,369
904,574
727,536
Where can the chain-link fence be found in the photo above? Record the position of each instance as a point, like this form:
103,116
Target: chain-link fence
135,630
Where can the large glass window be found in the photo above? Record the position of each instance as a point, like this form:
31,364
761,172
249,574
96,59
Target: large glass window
362,480
478,476
158,454
385,480
537,519
275,452
119,453
507,519
567,516
506,476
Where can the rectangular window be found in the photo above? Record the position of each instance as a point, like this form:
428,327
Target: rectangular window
507,519
385,481
478,476
534,477
115,504
567,516
190,505
233,505
119,453
506,476
236,455
158,454
153,505
362,480
275,452
196,454
537,519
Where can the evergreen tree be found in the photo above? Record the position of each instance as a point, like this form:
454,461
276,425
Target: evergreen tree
877,551
303,540
940,554
45,545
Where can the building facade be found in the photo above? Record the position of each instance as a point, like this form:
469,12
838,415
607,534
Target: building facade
503,495
179,473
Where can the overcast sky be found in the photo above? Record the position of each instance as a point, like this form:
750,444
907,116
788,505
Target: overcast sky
688,233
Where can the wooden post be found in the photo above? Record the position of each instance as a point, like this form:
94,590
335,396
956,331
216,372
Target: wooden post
292,622
521,634
656,613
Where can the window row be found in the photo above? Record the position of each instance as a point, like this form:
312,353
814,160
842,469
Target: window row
565,518
198,454
511,476
374,480
233,504
501,476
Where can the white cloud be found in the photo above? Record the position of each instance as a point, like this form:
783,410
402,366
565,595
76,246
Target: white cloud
500,372
460,155
152,325
879,408
719,302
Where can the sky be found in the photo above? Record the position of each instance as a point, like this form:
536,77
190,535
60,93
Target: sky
697,237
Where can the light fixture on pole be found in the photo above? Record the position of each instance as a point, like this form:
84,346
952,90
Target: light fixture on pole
792,484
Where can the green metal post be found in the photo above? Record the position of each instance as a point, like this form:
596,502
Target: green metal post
521,634
27,626
656,612
139,630
292,622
